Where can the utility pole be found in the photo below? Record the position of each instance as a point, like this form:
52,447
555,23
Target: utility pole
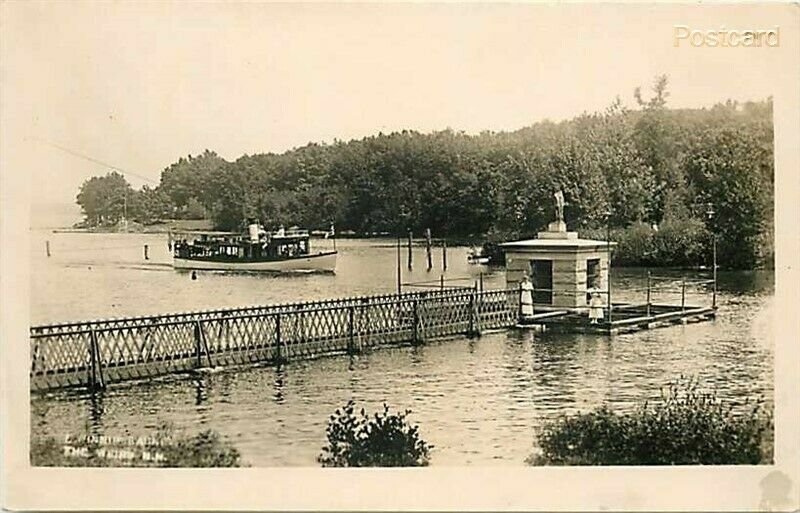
399,286
710,213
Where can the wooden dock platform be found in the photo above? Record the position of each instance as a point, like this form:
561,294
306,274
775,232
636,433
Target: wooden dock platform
627,318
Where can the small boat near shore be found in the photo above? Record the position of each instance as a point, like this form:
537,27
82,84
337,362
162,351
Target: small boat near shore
256,251
475,256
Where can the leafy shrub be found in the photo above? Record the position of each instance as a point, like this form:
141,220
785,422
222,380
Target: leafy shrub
685,427
676,242
682,242
634,245
387,440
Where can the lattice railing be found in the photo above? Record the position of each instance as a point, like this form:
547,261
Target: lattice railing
498,308
98,352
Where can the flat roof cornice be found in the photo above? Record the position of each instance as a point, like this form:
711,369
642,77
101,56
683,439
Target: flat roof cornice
537,244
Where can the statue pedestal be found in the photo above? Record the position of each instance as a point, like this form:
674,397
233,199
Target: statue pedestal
557,230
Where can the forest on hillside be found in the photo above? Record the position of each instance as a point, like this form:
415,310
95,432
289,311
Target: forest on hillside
665,180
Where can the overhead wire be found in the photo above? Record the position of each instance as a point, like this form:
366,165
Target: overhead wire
92,159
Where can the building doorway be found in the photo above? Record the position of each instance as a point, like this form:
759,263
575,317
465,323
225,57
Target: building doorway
542,280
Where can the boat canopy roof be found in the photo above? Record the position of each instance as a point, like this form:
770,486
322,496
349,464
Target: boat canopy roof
202,232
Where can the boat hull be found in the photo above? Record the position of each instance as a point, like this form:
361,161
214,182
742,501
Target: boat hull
321,262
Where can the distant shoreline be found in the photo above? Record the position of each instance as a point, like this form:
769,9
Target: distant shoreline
135,228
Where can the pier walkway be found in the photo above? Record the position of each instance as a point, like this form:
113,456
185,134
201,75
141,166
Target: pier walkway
96,353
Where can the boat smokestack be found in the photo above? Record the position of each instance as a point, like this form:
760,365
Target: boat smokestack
253,230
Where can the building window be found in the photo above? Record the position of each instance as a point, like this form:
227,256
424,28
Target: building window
593,273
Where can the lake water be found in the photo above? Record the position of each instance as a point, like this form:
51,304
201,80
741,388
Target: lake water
478,401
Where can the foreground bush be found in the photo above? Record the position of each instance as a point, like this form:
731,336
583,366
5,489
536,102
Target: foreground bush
685,427
387,440
205,449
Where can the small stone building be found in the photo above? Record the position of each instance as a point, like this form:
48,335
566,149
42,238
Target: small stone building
562,267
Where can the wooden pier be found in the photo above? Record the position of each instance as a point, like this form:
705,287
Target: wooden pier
95,353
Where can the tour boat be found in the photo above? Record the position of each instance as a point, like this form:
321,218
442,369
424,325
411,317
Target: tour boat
257,251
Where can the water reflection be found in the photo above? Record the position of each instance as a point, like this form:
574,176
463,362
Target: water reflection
96,412
201,391
280,374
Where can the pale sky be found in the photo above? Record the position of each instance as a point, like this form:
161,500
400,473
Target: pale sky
138,84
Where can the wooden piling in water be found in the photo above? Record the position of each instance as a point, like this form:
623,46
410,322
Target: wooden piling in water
428,248
409,250
146,252
47,247
683,294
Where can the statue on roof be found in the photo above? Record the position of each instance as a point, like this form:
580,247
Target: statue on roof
559,206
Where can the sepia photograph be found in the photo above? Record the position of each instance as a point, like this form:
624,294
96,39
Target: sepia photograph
479,237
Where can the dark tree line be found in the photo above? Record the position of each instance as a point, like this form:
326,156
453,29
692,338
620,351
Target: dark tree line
654,169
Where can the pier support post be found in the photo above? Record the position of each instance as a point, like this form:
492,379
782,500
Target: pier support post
475,312
299,325
198,344
276,355
146,252
351,332
415,331
96,380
